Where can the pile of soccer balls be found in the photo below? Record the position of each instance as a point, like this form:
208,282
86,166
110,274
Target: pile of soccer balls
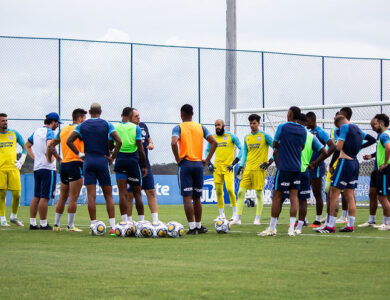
141,229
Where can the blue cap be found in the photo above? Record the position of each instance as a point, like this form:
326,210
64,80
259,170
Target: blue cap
54,116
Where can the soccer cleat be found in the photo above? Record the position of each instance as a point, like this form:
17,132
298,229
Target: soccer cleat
291,232
384,227
341,220
202,229
47,227
236,221
4,224
256,222
379,225
232,218
267,232
298,231
320,228
56,228
219,218
112,232
346,229
73,229
192,232
34,227
315,224
323,220
16,222
327,229
367,224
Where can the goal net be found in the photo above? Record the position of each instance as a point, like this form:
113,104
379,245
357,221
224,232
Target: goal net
272,117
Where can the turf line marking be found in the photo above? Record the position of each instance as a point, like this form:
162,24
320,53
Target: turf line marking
325,235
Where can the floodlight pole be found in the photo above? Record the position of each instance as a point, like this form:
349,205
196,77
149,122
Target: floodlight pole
231,59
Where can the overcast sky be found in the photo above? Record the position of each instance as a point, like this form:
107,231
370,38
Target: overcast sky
340,28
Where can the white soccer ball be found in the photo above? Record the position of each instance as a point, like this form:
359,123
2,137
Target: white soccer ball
99,228
159,230
131,228
175,229
222,226
143,229
121,229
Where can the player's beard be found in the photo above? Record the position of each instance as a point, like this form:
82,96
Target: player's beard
220,131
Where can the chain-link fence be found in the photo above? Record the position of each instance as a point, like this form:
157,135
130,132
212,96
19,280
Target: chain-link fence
38,76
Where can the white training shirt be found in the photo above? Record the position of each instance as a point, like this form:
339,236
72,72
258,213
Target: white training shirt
39,140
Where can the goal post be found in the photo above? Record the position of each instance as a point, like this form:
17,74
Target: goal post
362,113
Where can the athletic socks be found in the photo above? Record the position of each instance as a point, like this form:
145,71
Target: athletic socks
198,225
129,218
292,222
124,217
332,221
93,222
71,220
260,202
3,219
112,222
238,217
43,223
191,225
155,217
141,217
273,222
257,218
300,225
13,216
327,218
57,219
234,210
318,218
33,221
221,213
371,219
344,214
351,221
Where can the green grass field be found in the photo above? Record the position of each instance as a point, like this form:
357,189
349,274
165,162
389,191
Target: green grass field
58,265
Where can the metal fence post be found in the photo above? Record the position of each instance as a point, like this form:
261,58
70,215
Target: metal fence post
262,86
323,89
199,84
131,75
59,85
381,80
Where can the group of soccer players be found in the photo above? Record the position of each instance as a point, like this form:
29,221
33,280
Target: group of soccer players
299,146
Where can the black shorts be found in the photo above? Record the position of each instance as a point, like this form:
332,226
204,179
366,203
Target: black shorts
191,178
71,171
126,167
287,180
374,178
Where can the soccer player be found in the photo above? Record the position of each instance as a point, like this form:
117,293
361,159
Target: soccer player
223,168
346,175
319,172
383,162
255,153
10,170
187,147
71,171
148,180
126,164
373,195
44,170
312,146
95,133
289,141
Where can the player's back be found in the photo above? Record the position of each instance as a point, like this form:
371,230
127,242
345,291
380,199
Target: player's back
291,138
39,144
191,141
352,136
67,154
95,133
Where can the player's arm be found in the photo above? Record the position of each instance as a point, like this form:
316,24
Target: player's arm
237,143
317,146
326,140
28,146
213,145
175,148
70,143
270,143
141,151
342,136
370,140
243,158
276,143
118,144
369,156
51,149
19,139
150,144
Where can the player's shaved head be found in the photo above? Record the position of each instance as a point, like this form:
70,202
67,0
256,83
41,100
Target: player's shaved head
95,109
186,112
219,126
294,113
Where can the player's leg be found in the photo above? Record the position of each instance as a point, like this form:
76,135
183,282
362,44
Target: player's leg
245,184
349,197
373,198
123,198
219,179
302,214
316,184
60,207
303,196
91,195
74,193
48,184
185,180
14,186
150,191
382,189
129,197
229,184
107,193
334,195
258,180
344,206
3,220
294,204
196,195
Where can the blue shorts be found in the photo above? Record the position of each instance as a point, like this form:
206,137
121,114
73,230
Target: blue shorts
305,187
44,183
71,171
287,180
383,182
318,172
147,182
191,178
374,178
346,174
95,169
126,167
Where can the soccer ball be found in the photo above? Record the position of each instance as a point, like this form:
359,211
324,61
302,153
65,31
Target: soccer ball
121,229
159,230
175,229
130,229
143,229
222,226
99,228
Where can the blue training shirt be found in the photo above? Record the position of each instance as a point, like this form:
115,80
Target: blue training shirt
291,138
323,137
353,137
95,133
